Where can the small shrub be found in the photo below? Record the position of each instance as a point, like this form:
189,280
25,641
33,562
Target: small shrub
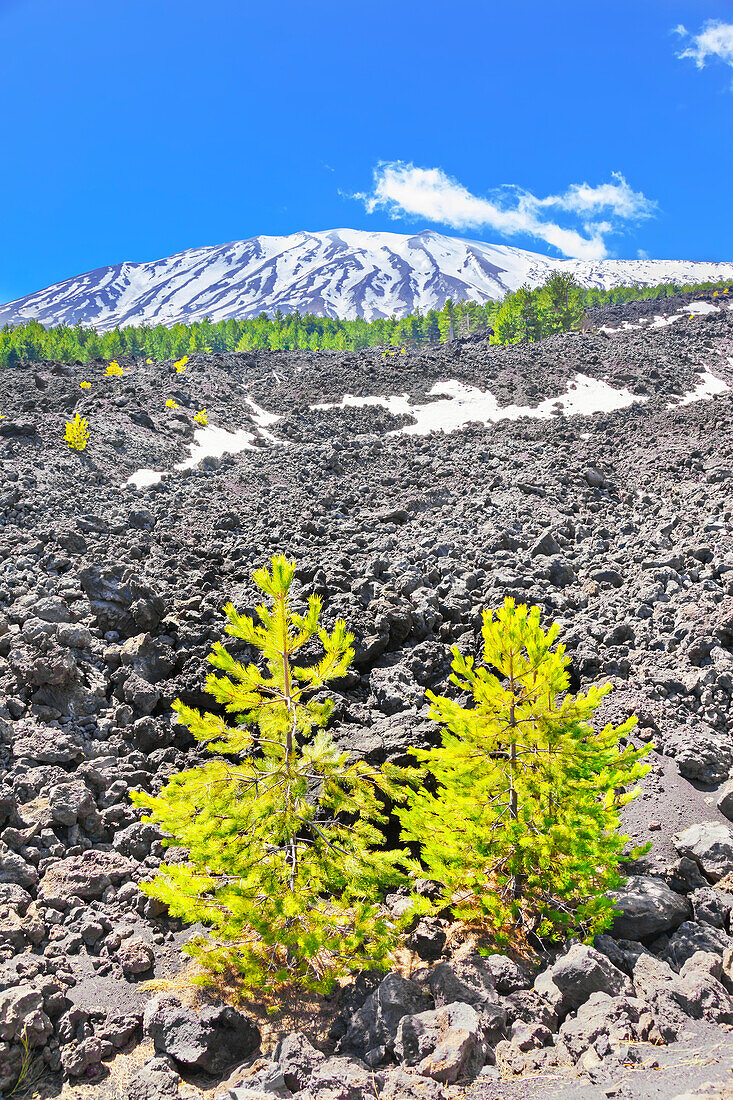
114,369
85,385
201,417
180,364
171,404
522,830
31,1070
76,433
284,847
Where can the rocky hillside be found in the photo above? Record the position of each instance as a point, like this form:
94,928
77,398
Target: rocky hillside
334,273
618,523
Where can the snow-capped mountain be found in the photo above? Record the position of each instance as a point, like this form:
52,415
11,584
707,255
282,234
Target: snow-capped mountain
343,273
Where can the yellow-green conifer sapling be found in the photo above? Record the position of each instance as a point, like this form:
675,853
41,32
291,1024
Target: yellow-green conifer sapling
286,861
519,820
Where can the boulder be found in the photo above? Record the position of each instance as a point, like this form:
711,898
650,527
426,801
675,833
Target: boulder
140,694
445,1043
14,870
546,545
375,1023
71,802
506,975
82,1059
52,609
622,953
340,1079
404,1084
13,896
690,938
725,800
150,659
583,971
298,1059
676,998
530,1006
650,974
22,1015
703,756
469,980
602,1023
44,744
120,1027
135,841
722,622
211,1040
136,957
86,876
594,478
157,1079
708,995
710,845
530,1036
647,907
120,601
427,939
711,906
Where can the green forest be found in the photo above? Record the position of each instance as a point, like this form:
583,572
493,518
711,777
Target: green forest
526,315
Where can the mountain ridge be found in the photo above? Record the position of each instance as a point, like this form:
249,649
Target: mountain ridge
343,273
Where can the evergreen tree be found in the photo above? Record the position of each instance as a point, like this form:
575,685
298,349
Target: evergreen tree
529,320
507,322
565,302
284,862
522,827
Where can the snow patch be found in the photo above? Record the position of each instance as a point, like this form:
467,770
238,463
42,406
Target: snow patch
263,419
213,442
700,307
141,479
660,321
708,386
208,442
465,404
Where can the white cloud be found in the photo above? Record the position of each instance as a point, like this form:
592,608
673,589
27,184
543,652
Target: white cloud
405,190
714,40
616,197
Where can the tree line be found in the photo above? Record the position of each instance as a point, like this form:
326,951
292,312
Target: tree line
523,316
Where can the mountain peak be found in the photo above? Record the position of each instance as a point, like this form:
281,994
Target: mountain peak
343,273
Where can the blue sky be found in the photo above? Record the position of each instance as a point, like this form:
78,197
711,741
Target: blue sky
139,128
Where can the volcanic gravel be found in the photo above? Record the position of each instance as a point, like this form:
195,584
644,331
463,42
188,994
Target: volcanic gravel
618,525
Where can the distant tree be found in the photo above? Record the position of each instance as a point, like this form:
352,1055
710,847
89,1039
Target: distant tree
507,322
528,308
564,298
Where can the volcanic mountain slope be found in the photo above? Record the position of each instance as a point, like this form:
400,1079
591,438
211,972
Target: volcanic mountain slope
336,273
617,523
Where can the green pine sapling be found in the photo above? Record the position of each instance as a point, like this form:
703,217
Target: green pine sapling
520,822
285,853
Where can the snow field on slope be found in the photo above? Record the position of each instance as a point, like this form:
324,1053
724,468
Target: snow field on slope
213,442
340,272
659,321
461,405
469,405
